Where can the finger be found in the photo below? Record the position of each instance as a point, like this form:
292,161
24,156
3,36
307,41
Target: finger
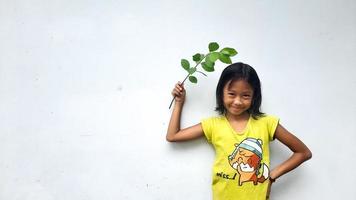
179,88
178,93
175,93
180,84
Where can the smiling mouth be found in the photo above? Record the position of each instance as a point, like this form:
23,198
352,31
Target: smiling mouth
234,108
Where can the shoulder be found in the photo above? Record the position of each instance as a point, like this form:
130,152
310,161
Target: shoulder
266,119
268,123
213,119
210,125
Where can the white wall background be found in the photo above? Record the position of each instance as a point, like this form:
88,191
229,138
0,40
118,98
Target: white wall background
85,87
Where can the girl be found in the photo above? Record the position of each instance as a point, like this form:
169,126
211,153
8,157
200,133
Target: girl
240,135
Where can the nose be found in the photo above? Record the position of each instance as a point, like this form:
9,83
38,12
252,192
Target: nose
237,101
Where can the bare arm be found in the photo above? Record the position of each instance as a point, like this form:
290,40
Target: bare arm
301,152
174,133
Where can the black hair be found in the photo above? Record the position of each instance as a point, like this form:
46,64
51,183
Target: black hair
235,72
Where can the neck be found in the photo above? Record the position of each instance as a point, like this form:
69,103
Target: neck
242,116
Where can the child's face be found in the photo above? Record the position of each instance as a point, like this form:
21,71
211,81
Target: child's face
238,97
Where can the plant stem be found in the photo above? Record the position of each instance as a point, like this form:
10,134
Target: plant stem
170,105
202,73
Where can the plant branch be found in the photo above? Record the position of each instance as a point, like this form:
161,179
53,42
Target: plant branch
202,73
170,105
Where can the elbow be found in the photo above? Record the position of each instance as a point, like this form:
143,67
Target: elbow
308,155
170,139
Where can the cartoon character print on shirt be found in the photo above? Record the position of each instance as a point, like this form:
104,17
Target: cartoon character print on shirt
246,160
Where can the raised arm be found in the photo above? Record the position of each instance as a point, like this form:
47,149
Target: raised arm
174,133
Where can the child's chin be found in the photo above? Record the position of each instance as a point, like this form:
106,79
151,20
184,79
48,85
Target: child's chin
237,112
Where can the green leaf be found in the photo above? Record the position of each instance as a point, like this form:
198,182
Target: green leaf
185,64
228,51
192,70
197,57
225,59
213,46
212,57
208,66
193,79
